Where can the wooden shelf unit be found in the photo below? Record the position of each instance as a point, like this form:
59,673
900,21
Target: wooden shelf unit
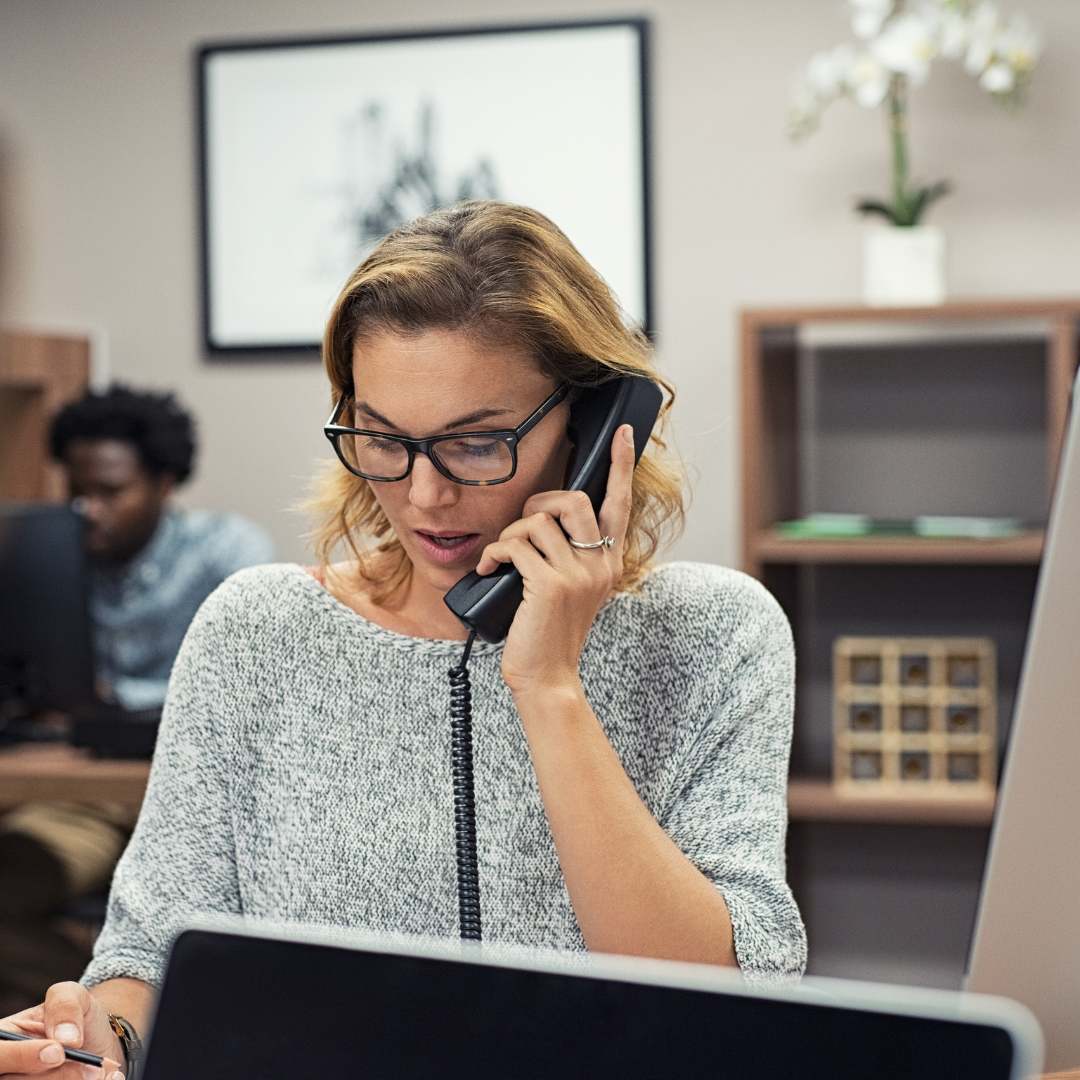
860,409
38,374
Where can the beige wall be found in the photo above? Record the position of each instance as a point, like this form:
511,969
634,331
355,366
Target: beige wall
97,111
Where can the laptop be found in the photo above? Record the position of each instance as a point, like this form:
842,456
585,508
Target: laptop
1026,943
263,1003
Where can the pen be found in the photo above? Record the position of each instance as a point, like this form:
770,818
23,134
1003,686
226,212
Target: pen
82,1056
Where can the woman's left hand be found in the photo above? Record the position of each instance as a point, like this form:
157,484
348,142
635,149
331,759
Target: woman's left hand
564,586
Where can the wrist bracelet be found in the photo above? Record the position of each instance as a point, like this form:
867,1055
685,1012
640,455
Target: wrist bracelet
130,1043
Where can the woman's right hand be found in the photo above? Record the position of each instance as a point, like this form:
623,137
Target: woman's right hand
66,1003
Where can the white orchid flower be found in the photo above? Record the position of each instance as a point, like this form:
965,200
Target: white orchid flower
906,46
932,13
998,78
900,38
804,112
954,34
1018,44
979,54
984,27
868,16
986,20
868,80
827,71
804,101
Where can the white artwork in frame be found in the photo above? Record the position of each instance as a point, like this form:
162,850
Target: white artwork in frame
313,150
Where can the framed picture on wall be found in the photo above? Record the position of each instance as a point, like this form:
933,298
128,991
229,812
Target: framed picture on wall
312,150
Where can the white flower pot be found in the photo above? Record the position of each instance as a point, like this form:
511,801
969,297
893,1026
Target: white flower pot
903,265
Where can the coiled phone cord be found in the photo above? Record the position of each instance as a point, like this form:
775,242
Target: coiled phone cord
461,756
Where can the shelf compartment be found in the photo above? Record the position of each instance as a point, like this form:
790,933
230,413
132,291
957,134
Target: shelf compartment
951,412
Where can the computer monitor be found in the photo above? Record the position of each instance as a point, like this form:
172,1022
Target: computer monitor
46,650
251,1002
1026,943
46,639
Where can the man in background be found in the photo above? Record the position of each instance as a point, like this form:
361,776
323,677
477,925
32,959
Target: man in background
151,565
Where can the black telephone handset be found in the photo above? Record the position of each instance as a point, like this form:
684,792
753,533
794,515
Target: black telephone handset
487,604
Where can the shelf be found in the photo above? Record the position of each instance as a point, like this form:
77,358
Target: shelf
770,547
975,308
816,800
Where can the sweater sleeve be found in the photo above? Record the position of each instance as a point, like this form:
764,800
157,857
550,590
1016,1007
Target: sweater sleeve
730,814
180,859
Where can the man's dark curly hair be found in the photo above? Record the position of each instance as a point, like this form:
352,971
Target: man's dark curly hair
162,432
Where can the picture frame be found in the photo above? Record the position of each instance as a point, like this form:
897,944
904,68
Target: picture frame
311,149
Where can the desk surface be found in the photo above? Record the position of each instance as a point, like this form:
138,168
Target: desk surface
57,771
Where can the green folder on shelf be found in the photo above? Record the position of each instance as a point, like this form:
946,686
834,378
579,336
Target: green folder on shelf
828,526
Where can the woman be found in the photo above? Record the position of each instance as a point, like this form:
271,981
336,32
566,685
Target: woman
631,734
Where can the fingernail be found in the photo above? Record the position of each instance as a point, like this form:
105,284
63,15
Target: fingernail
67,1033
116,1076
628,434
52,1054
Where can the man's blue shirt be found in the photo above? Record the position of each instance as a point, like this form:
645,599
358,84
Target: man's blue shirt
140,611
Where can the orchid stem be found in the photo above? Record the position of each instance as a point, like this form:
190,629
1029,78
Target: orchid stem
898,133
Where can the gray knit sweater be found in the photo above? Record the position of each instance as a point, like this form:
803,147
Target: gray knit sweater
302,771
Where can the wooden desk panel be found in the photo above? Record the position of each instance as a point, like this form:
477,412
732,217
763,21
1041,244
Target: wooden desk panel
56,771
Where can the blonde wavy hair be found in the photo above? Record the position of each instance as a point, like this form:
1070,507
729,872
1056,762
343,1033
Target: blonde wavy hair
503,273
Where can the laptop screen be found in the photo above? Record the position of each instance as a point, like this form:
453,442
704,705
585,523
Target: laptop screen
241,1006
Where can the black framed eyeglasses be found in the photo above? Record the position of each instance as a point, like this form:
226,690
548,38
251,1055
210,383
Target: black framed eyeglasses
467,457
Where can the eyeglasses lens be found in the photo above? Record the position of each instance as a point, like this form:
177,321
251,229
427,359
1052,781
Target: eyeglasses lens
475,457
374,457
